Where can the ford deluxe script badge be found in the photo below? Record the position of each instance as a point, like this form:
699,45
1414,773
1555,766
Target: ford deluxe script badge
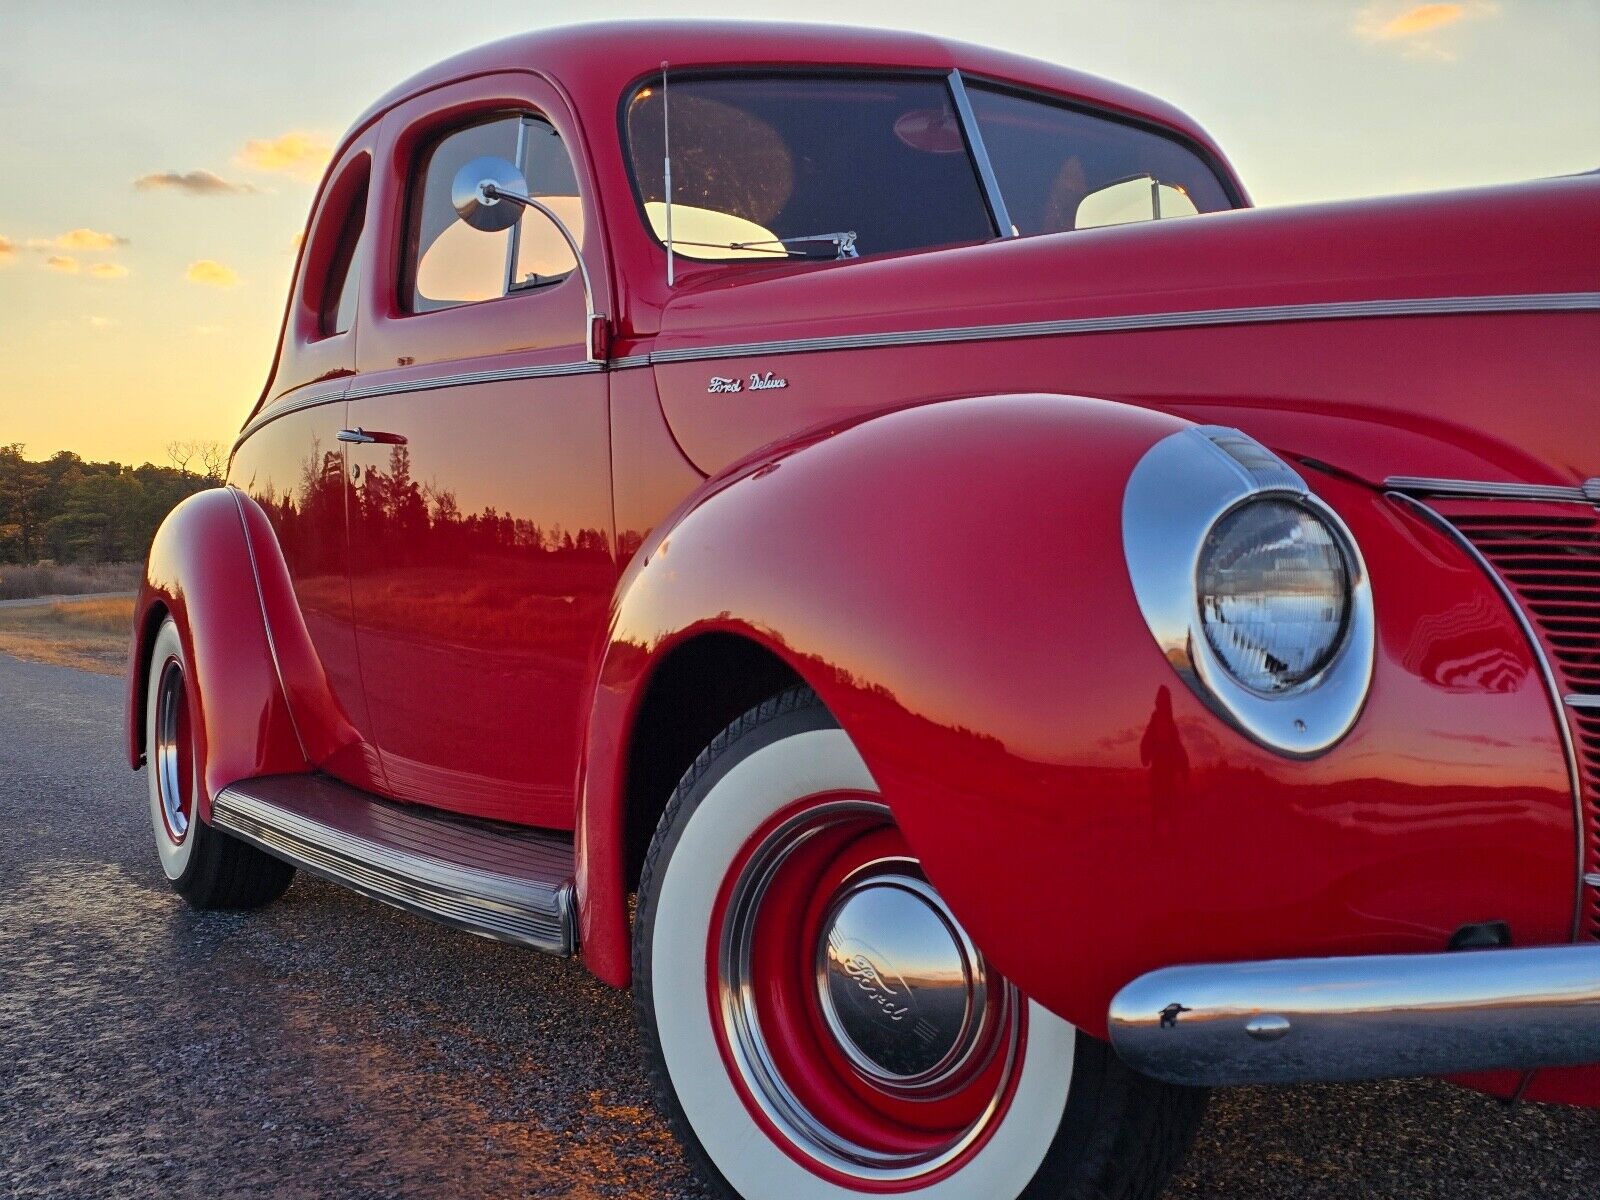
759,382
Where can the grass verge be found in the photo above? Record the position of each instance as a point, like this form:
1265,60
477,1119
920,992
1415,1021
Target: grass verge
91,635
22,580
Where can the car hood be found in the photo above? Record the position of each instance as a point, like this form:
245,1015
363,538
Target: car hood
1292,323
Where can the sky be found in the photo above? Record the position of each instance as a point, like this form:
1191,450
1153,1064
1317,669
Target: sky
157,160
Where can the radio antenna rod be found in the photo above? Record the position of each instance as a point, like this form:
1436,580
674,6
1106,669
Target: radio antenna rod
666,164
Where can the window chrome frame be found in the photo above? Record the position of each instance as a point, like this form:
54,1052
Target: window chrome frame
980,157
1177,493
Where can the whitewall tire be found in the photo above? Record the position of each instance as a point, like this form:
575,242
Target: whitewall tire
817,1023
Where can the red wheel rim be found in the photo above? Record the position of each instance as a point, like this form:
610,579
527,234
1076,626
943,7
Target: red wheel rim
872,1076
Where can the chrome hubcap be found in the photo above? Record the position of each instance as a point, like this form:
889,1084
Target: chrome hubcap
910,1029
902,988
169,749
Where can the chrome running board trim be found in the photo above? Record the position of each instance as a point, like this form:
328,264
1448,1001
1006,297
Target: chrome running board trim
1371,1017
498,881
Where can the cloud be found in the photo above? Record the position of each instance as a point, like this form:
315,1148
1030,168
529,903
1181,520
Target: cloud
89,239
100,322
104,270
298,240
8,250
191,183
214,274
64,263
297,154
1412,28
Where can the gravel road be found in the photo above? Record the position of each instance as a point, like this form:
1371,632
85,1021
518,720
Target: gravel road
330,1047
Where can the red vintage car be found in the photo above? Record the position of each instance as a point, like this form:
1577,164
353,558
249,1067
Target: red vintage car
874,542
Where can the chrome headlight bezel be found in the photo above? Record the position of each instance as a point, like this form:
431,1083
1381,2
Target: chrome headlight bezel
1183,486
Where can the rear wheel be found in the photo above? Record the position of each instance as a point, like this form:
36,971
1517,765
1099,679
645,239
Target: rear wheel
819,1024
208,868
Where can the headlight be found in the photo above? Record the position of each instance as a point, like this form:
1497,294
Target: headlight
1273,587
1253,588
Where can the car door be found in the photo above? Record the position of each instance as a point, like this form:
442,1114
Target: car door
481,533
290,462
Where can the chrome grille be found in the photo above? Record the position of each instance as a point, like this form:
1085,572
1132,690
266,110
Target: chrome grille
1550,559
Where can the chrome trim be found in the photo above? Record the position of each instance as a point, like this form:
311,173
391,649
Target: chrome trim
282,408
1577,700
1369,1017
266,625
1475,489
176,808
878,1011
1262,314
1176,494
1592,879
510,886
980,157
467,378
1552,689
751,1058
1183,319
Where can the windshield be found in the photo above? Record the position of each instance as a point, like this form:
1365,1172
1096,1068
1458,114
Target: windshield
756,160
805,166
1062,168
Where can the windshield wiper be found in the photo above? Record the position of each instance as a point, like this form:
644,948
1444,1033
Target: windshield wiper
844,244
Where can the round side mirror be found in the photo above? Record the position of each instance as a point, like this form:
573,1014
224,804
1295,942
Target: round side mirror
487,213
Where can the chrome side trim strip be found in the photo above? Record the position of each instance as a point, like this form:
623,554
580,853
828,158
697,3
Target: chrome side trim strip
1552,689
282,408
405,868
1593,880
1368,1017
980,157
465,378
1578,700
1186,319
1475,489
1191,318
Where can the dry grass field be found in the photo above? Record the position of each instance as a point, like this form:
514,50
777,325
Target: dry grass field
90,634
47,579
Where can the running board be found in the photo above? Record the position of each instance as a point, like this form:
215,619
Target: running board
499,881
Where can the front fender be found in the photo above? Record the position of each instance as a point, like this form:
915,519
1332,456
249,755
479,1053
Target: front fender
201,572
951,580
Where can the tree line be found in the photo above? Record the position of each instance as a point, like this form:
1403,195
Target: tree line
70,510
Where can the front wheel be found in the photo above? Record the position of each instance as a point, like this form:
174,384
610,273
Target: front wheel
207,867
817,1022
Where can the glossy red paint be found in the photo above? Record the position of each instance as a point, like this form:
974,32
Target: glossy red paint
933,546
1038,741
1486,397
200,573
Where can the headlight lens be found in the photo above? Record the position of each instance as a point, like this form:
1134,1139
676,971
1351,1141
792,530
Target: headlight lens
1274,593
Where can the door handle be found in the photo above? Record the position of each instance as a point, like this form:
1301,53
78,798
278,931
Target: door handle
363,437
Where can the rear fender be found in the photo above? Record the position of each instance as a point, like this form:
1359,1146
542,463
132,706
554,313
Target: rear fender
202,572
950,579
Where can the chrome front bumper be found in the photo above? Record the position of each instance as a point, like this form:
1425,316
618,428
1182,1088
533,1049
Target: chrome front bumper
1377,1017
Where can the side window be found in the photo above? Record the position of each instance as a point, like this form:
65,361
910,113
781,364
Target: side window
338,311
449,262
1060,168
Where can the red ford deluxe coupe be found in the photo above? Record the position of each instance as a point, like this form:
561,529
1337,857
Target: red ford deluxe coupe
875,543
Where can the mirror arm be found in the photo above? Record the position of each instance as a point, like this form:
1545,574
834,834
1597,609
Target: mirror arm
595,335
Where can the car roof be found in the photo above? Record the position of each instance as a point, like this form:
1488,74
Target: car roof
595,62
